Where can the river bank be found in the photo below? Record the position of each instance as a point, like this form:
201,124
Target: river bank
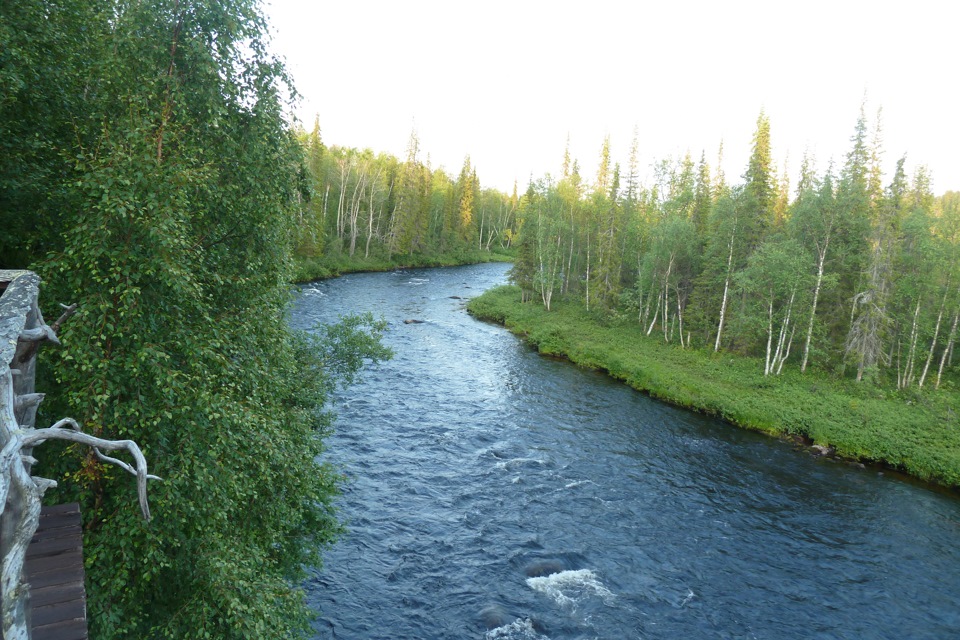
917,434
309,269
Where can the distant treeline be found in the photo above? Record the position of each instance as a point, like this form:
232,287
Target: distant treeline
849,270
362,205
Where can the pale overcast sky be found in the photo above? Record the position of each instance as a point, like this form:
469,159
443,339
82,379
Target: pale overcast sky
507,81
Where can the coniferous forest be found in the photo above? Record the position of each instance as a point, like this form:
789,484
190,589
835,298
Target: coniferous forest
849,270
150,174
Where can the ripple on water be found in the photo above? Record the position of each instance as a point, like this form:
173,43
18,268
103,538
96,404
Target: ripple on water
471,460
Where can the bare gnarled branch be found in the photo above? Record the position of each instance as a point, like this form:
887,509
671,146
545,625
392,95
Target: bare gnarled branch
68,429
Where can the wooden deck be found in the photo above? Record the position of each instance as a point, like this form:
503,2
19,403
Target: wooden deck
54,571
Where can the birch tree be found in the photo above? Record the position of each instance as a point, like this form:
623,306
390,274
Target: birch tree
813,223
776,280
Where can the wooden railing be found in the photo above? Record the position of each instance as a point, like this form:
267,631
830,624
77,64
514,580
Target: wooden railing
22,331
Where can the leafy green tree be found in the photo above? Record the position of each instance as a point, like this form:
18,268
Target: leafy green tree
948,231
813,223
549,228
467,187
410,219
177,190
853,226
776,279
725,253
312,195
47,52
667,274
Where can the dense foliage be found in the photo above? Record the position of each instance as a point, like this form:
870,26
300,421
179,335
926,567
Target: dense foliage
841,273
909,430
148,173
367,211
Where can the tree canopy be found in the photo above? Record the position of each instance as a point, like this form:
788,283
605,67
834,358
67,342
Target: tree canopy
843,274
148,174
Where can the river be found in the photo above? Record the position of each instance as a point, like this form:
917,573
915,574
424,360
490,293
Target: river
492,493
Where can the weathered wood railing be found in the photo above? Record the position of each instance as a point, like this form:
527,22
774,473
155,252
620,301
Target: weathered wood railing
22,330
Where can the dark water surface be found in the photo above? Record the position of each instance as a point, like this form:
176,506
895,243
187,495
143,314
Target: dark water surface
493,493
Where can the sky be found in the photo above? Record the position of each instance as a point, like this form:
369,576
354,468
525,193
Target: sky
508,82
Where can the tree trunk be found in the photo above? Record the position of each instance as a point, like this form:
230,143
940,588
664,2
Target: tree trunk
680,318
666,300
726,291
933,343
767,364
655,316
949,347
911,354
813,309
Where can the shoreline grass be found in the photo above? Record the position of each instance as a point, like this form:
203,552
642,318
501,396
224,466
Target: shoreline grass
917,434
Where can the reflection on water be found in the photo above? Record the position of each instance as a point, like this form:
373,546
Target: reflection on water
492,493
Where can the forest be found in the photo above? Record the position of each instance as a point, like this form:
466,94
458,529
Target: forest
372,211
849,271
149,172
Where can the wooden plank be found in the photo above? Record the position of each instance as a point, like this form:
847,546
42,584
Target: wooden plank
58,522
65,630
52,578
75,609
54,564
63,592
58,509
55,546
54,571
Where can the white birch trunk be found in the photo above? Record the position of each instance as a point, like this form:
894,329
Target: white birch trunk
813,309
726,291
680,319
933,343
949,347
767,363
911,354
655,316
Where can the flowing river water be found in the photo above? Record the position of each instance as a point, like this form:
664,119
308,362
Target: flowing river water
493,493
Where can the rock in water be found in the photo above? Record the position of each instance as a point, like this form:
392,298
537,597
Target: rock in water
541,568
494,617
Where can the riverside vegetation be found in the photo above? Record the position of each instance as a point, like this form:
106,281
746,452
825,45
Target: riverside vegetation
912,432
149,174
828,311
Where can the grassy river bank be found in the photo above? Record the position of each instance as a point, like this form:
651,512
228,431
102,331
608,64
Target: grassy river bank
914,433
308,269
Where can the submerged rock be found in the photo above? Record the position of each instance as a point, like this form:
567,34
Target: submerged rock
494,616
542,568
